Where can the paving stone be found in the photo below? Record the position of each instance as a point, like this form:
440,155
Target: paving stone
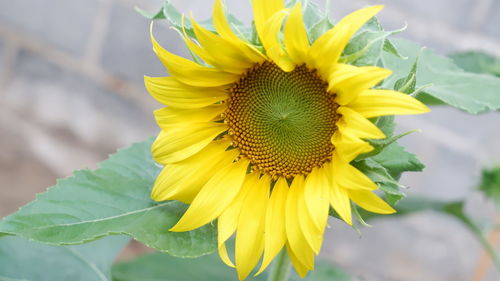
127,50
481,131
93,118
65,24
448,175
425,246
454,157
22,175
492,22
1,55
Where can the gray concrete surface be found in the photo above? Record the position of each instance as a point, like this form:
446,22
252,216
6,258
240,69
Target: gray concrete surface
71,93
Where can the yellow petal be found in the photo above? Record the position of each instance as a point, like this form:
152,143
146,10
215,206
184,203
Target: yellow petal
221,23
221,53
182,142
218,61
275,234
348,146
297,240
228,220
189,72
348,86
339,199
214,197
312,234
373,103
316,196
272,44
250,233
183,180
170,117
354,123
224,256
370,202
169,91
331,44
224,29
262,12
317,201
346,176
295,36
299,267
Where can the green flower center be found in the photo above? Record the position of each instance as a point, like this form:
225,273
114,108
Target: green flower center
282,121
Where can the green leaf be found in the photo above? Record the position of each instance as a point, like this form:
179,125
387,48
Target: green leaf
490,184
161,267
114,199
444,81
174,17
312,13
381,176
326,271
408,84
397,160
391,49
477,62
386,124
152,16
21,259
319,28
380,145
290,3
366,47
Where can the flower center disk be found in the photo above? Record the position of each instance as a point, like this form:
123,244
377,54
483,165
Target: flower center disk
282,121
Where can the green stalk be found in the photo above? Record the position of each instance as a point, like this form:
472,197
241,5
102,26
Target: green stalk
280,270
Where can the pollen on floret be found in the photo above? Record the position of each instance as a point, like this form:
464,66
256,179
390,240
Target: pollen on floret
282,121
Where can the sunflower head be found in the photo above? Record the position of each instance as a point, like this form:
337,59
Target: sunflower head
261,137
281,121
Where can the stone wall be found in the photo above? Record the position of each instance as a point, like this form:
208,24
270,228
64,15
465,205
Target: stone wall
71,92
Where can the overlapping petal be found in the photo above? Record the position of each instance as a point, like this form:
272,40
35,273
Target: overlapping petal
331,44
251,223
228,220
214,197
184,179
171,117
353,123
275,233
169,91
263,10
225,31
296,239
295,36
370,202
182,142
348,81
189,72
271,42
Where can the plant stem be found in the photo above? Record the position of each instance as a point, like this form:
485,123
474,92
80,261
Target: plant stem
280,270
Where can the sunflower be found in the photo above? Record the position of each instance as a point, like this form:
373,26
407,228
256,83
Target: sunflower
260,137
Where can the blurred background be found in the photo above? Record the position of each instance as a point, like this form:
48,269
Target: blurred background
71,92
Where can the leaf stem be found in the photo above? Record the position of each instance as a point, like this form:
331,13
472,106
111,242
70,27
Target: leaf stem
280,270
